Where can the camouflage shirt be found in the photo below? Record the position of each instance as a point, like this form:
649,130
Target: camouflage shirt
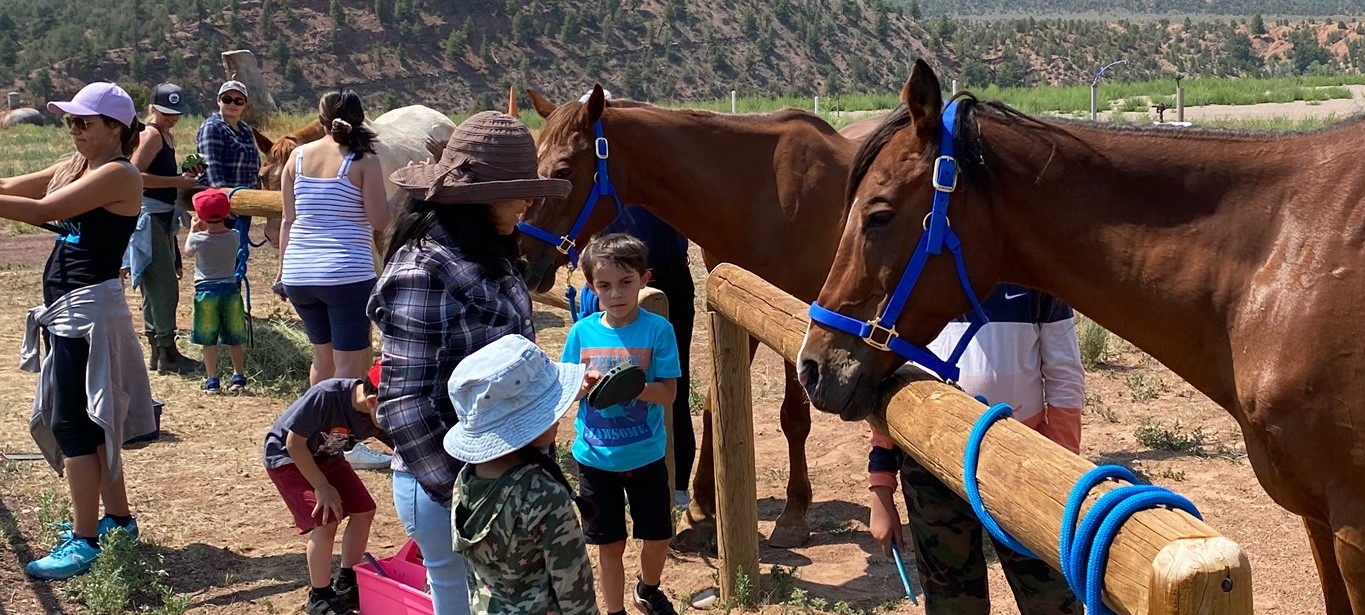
522,544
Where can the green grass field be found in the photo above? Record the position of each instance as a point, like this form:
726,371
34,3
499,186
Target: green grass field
26,148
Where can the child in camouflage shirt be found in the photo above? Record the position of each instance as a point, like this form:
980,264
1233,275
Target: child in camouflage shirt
512,516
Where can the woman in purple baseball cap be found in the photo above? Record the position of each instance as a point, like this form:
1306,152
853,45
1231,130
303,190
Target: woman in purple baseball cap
93,393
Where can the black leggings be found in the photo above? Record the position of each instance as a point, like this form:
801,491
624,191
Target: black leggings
676,283
76,433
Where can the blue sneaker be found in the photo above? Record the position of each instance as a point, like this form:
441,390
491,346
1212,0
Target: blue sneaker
211,386
237,383
73,557
107,524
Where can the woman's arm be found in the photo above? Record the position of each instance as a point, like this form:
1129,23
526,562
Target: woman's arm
287,207
372,191
32,185
149,145
116,187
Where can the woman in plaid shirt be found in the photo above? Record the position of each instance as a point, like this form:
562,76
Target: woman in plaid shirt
451,285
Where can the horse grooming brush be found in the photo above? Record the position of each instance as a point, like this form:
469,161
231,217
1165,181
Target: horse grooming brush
619,385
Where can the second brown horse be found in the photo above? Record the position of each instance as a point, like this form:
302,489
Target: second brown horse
761,191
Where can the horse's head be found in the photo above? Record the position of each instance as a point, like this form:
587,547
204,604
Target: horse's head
893,183
279,151
567,149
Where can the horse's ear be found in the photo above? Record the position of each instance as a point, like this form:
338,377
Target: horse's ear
597,102
542,105
923,97
263,142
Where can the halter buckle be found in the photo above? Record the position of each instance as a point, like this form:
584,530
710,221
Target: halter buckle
565,244
601,146
945,176
887,334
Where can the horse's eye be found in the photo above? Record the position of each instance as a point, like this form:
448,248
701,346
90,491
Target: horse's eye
878,219
563,174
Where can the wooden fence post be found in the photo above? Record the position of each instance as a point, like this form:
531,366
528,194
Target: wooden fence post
733,440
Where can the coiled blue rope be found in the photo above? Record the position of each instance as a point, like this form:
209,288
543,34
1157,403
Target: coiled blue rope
971,456
1083,550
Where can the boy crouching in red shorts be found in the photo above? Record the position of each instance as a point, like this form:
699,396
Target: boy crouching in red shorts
303,456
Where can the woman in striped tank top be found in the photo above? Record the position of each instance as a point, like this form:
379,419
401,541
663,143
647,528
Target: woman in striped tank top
334,198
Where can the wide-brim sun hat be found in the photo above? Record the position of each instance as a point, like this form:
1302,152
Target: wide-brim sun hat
99,98
506,395
490,157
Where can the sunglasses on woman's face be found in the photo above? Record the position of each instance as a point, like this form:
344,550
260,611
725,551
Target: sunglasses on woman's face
232,100
78,123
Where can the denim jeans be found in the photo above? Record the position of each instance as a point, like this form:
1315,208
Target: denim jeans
428,523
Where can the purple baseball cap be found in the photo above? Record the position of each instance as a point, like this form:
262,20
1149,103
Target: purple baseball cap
99,98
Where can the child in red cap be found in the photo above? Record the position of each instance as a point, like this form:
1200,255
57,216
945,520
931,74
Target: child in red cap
219,316
303,457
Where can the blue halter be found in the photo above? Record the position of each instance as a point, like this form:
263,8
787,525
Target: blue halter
566,244
880,332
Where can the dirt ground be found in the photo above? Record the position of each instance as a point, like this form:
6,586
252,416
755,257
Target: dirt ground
206,506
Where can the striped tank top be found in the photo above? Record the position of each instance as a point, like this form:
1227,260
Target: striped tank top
329,242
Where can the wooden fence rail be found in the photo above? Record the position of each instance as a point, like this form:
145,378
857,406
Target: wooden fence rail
1162,562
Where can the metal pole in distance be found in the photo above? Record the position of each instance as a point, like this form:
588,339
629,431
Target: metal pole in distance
733,107
1094,87
817,105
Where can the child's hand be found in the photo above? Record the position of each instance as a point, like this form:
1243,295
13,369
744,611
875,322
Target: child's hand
329,501
885,522
196,224
589,380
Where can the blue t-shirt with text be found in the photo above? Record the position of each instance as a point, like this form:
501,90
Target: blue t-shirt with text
631,435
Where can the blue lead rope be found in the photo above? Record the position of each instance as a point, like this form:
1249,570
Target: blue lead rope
244,245
1083,551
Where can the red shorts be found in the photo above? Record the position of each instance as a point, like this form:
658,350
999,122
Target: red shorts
299,497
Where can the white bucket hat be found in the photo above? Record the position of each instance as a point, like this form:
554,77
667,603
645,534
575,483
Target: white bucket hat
507,394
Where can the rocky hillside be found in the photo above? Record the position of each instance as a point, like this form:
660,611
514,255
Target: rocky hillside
460,56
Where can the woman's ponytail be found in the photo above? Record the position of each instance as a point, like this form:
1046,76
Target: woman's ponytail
344,117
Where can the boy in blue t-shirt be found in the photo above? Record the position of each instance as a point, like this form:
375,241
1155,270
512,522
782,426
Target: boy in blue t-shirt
620,449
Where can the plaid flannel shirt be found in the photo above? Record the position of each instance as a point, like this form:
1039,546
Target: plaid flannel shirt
433,308
230,156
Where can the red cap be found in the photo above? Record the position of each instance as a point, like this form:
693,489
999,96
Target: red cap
212,205
374,373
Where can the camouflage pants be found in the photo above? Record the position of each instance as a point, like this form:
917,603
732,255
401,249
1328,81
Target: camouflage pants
952,565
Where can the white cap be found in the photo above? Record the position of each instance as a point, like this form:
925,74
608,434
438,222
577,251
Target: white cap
99,98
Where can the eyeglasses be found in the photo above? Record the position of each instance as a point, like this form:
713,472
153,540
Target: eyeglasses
232,100
79,124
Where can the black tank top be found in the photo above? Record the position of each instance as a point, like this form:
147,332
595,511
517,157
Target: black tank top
164,165
89,251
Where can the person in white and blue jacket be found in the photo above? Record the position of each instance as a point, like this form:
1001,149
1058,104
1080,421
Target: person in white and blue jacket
1027,356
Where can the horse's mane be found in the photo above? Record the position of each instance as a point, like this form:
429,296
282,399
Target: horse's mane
286,145
971,148
560,123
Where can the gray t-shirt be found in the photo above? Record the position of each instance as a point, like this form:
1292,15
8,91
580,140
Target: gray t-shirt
215,256
326,417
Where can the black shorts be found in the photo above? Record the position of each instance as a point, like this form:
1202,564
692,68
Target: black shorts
651,504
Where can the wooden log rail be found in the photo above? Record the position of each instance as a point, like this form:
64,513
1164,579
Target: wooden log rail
1162,562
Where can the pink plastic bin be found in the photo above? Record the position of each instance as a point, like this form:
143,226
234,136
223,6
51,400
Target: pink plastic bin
401,593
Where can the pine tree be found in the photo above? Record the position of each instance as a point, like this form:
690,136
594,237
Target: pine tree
1257,24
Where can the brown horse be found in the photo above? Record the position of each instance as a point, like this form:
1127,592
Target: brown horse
278,151
1233,258
747,189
